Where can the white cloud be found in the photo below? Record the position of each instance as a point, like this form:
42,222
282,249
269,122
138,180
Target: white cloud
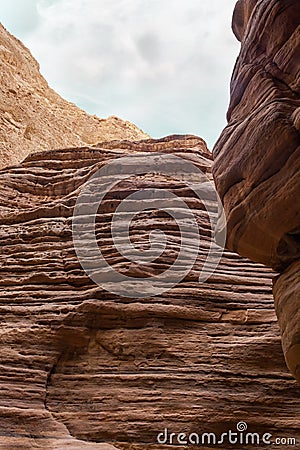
164,65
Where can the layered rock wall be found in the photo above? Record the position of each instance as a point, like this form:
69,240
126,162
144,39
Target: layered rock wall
81,367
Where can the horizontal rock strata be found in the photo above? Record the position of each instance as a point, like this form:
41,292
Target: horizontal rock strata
33,117
84,368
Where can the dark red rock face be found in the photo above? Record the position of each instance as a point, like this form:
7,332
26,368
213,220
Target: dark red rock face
257,157
81,367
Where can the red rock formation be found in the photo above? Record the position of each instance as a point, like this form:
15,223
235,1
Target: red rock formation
257,157
33,117
287,302
81,366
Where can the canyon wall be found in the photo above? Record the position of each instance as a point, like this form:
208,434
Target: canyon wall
33,117
82,368
257,157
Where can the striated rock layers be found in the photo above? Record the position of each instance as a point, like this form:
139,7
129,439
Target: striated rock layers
82,368
33,117
257,157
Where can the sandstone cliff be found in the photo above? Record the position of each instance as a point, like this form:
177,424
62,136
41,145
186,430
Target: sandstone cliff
257,158
81,366
33,117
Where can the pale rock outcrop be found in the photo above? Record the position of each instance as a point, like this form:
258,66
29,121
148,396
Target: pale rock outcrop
34,118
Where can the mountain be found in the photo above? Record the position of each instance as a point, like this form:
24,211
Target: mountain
33,117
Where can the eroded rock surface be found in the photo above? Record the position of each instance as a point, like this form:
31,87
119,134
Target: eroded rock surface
81,367
257,158
34,118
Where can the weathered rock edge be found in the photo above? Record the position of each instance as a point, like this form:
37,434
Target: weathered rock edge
257,157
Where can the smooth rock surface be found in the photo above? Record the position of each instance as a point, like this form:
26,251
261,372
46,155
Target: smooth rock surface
34,118
257,157
287,302
81,367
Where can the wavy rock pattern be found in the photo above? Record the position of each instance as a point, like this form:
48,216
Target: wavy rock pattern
33,117
257,157
82,367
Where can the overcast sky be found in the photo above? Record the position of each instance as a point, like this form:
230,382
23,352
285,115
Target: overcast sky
163,64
